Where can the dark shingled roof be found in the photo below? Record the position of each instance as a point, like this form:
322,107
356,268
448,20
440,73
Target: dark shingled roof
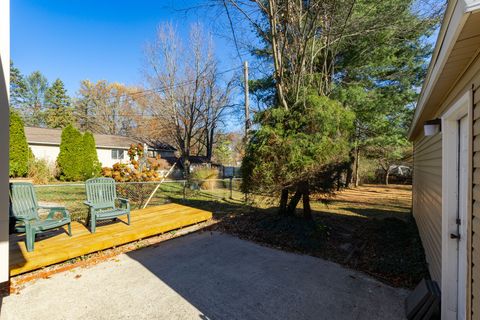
47,136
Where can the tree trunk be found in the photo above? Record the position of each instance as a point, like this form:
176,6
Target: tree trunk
283,202
209,143
387,175
307,210
302,192
186,167
292,206
339,179
357,165
350,169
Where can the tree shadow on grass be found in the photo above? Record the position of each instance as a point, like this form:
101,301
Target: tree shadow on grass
335,202
377,213
381,242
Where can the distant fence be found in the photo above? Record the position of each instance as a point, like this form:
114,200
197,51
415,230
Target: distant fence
72,195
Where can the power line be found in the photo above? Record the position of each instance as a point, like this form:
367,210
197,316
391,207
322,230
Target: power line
145,92
136,114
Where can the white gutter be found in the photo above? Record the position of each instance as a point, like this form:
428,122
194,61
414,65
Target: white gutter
472,6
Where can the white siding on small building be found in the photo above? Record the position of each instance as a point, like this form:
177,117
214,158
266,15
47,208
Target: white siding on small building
106,159
48,153
427,199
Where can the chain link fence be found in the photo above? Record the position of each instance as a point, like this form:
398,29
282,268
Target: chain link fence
143,194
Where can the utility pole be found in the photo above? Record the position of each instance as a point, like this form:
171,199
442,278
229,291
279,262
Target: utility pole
247,107
247,112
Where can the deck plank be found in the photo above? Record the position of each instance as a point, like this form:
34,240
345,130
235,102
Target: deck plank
60,247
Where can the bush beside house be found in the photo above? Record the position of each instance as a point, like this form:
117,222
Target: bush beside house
20,153
40,171
78,158
91,166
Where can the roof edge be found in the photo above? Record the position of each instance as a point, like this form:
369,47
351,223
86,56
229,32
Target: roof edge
455,17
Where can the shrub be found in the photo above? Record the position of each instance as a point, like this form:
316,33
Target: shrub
19,150
202,176
70,158
140,169
40,171
78,158
91,166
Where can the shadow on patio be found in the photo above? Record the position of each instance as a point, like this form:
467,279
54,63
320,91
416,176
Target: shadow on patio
224,277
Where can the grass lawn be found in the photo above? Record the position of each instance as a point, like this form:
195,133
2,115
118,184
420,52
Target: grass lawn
72,196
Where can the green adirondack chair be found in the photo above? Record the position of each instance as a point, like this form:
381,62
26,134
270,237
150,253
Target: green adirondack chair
24,214
101,198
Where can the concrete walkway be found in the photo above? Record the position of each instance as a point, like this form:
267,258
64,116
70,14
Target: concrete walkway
208,276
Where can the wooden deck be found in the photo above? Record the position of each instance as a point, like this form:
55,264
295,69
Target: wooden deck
58,246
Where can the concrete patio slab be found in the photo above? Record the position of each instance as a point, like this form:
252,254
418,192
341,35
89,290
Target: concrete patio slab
208,276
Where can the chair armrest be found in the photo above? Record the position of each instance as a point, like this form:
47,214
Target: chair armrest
92,207
53,210
88,203
124,203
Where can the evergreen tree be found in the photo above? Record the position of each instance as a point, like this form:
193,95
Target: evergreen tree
91,165
19,150
59,114
70,159
17,87
368,55
310,137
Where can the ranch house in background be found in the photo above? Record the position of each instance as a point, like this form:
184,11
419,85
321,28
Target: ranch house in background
446,179
45,144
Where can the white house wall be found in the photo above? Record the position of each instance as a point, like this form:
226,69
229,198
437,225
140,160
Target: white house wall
50,154
105,157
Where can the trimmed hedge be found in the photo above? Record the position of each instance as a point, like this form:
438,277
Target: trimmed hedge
78,158
91,165
19,150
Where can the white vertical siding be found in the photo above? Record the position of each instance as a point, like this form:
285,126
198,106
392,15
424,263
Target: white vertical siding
427,199
105,157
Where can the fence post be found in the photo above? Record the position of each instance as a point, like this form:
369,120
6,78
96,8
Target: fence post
184,189
231,187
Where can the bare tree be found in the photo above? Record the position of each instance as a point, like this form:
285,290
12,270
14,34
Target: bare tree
190,103
106,108
217,101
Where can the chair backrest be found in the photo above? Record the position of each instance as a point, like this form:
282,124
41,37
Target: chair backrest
101,192
23,202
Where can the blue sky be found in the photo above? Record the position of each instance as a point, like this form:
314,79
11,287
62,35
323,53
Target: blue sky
86,39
